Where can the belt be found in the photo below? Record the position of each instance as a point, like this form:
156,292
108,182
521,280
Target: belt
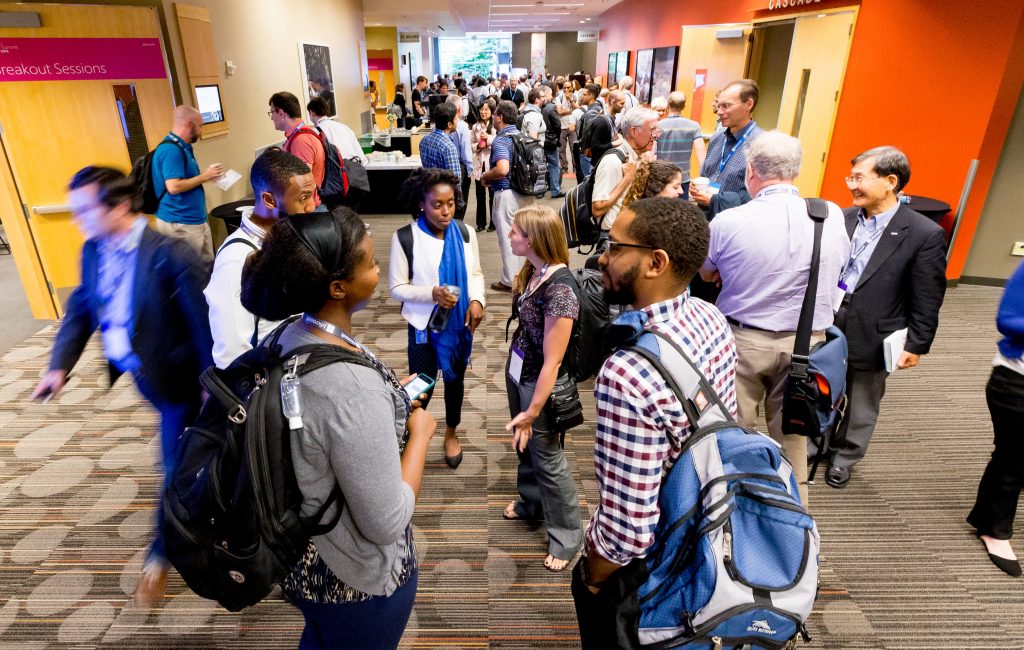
744,326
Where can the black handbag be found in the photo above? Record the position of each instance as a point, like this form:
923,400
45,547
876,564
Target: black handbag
564,408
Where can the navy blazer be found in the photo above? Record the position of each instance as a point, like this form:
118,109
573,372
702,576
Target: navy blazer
902,285
170,324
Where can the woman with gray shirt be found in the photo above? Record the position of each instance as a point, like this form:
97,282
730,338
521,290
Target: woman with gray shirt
356,584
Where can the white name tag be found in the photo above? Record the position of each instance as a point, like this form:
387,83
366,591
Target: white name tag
837,296
515,364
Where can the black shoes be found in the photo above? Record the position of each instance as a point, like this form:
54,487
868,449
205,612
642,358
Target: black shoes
491,228
481,228
501,286
1008,566
454,461
837,477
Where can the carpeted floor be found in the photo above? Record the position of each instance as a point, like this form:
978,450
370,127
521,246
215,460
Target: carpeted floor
900,568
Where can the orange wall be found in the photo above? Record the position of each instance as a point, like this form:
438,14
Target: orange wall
937,78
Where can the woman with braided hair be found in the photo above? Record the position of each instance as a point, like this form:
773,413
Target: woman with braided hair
655,178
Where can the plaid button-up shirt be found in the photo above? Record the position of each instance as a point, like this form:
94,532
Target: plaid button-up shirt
437,149
641,425
732,177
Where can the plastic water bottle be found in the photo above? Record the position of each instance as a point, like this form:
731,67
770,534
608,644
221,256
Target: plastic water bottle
439,317
291,400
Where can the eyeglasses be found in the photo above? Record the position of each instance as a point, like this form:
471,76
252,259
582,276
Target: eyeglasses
612,245
270,113
854,181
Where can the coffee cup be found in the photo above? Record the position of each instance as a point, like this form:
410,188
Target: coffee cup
701,184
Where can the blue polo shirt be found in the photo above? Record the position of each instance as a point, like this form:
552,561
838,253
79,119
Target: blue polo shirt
501,149
177,161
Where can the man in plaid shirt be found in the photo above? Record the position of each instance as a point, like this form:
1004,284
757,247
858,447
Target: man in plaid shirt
654,248
437,148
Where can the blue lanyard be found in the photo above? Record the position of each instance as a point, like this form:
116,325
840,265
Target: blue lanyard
739,142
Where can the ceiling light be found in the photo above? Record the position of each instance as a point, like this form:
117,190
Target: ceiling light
588,20
582,21
531,13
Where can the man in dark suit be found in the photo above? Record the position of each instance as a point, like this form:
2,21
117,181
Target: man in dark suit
144,292
895,278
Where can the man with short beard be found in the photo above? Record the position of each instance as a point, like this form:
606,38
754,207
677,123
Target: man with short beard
181,212
655,247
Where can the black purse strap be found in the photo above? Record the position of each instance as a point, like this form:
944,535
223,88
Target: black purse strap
817,210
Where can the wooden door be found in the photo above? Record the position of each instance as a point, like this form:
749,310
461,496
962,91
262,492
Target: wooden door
723,59
814,78
51,129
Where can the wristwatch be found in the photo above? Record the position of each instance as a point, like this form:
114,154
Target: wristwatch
585,574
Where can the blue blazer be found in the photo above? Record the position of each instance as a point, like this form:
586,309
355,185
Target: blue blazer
170,325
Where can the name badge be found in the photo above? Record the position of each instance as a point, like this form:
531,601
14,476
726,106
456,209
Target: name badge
421,336
714,187
837,295
515,363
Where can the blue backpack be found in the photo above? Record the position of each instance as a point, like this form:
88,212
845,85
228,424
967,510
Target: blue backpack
735,557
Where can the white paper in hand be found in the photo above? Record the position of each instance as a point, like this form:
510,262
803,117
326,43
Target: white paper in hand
229,178
892,347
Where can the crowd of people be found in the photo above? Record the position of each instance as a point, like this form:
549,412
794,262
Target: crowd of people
717,264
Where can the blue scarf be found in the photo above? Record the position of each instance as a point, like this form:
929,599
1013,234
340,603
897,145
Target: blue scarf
454,343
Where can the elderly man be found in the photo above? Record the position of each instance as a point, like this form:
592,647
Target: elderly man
725,164
761,252
629,100
617,167
895,278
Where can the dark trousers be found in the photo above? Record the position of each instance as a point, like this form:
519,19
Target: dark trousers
686,191
174,417
423,360
596,629
864,390
484,197
460,213
576,166
1003,480
372,624
554,172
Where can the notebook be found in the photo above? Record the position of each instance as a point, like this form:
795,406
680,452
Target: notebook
892,347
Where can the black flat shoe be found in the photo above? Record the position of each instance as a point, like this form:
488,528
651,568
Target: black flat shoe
481,228
454,461
491,228
1006,565
837,477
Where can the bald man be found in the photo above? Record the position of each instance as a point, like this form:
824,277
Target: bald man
179,184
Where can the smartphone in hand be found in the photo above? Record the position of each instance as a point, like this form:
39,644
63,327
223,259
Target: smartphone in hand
421,384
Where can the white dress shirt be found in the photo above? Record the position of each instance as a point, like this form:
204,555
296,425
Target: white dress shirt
343,138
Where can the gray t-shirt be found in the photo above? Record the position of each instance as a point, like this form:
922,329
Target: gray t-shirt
352,420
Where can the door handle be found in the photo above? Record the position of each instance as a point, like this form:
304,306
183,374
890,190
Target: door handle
51,209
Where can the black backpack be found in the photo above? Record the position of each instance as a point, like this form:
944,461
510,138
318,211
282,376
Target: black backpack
335,185
473,115
232,507
141,178
528,165
581,229
588,344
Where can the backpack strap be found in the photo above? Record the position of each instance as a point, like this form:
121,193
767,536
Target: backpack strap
698,397
817,210
254,339
184,158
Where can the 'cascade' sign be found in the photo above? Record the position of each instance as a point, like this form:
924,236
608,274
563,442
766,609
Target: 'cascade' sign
787,4
64,59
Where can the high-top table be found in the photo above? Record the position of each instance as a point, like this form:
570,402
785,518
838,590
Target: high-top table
386,178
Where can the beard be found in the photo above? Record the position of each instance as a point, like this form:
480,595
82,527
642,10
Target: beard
624,293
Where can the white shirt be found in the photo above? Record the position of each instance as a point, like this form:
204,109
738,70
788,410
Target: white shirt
417,296
231,324
343,138
533,121
609,173
762,249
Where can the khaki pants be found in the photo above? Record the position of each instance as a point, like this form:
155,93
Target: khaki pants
761,371
197,235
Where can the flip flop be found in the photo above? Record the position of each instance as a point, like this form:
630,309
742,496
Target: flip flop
551,558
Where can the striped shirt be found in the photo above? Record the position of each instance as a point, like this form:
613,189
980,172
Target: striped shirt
501,149
732,178
641,425
675,144
438,150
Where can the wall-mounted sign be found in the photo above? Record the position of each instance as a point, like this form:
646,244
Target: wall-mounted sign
63,59
588,35
776,7
408,37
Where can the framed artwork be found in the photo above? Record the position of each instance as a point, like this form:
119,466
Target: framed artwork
317,78
663,77
644,73
622,65
612,60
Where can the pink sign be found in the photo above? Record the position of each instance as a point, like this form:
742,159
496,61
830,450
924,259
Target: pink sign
62,59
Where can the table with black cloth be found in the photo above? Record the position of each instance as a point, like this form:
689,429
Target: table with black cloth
386,180
229,214
934,209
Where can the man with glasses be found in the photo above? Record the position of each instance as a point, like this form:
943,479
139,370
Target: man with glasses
617,167
726,161
895,278
564,106
761,253
655,246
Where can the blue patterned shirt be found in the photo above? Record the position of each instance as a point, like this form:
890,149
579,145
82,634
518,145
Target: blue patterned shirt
641,425
862,246
116,281
438,150
675,144
732,177
501,149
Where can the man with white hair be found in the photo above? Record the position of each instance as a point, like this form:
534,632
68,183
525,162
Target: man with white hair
680,139
617,167
628,98
761,252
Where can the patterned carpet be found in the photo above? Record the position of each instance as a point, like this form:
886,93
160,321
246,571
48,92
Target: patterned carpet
900,568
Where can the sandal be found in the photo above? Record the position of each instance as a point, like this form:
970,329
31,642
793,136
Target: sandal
510,512
551,563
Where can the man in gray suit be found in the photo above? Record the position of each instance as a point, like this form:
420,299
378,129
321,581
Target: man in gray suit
895,278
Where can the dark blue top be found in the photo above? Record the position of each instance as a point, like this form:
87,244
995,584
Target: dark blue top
1010,318
501,149
169,163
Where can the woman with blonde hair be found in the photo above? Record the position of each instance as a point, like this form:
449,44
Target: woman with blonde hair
546,300
655,178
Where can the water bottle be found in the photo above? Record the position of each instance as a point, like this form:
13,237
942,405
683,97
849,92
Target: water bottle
291,401
439,317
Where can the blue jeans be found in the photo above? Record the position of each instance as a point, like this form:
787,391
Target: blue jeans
585,165
372,624
174,417
554,172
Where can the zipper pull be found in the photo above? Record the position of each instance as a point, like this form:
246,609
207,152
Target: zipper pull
727,546
716,643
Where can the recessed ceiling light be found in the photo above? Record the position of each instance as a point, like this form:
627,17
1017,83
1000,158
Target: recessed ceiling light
588,20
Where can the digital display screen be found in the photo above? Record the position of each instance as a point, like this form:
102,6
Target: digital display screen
208,100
